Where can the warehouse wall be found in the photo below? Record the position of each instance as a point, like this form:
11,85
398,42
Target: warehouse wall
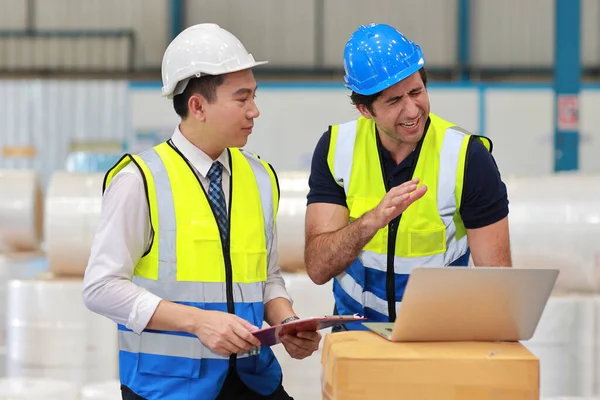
509,33
55,118
41,121
518,119
147,18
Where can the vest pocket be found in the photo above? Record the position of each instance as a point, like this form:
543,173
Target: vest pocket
249,265
171,362
426,242
200,242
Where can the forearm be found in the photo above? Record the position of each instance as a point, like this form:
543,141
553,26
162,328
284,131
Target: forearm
277,310
171,316
329,254
119,299
499,258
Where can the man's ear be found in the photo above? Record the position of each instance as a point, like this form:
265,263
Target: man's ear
197,107
364,111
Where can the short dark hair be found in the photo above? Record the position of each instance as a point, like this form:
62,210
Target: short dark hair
206,86
368,100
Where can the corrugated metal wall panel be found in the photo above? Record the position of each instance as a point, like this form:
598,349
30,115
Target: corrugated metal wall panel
91,54
13,15
435,31
50,115
590,31
512,33
508,33
280,31
13,131
148,18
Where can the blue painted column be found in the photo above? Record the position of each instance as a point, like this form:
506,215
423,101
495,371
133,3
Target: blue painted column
176,11
567,82
464,37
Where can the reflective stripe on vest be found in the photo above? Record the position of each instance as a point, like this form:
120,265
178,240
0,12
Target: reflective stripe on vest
202,292
365,298
445,240
171,345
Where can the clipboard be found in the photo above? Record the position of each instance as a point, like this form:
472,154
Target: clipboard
270,336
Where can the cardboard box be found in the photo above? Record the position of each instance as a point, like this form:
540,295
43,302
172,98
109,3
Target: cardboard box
361,365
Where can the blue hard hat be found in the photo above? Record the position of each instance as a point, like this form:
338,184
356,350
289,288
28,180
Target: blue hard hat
377,56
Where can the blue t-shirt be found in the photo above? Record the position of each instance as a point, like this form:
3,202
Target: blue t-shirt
484,199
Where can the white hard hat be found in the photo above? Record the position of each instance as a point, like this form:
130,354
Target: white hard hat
203,49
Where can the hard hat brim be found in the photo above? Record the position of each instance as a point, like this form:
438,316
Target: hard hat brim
178,88
391,81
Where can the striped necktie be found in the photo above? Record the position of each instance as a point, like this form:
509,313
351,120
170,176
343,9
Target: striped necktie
216,197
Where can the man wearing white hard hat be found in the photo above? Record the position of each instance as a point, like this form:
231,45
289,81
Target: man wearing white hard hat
185,256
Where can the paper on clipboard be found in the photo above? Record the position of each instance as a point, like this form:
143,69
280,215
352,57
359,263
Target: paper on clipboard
270,336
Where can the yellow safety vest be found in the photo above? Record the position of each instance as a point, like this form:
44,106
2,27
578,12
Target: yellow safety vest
187,263
430,231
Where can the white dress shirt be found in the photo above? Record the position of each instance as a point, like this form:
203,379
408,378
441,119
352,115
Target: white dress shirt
124,233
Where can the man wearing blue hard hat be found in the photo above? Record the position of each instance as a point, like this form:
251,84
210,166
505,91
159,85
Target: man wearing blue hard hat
399,187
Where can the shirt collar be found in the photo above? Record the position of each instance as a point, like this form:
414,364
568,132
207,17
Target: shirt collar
199,159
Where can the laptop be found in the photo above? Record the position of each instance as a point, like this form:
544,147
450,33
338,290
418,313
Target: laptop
469,304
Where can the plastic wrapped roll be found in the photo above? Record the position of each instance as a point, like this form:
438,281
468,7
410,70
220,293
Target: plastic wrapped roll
36,389
51,334
110,390
290,219
555,223
15,266
78,376
22,265
73,206
565,341
21,211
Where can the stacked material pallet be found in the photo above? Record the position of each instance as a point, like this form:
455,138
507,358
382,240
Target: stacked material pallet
555,223
46,242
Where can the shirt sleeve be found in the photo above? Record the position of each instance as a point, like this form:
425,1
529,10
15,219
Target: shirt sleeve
275,286
322,185
485,199
123,235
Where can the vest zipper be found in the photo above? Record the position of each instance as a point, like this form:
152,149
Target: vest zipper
390,274
227,259
224,246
